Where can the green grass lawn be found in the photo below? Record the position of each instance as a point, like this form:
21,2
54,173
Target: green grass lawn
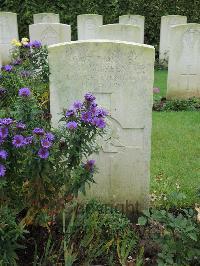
160,81
175,164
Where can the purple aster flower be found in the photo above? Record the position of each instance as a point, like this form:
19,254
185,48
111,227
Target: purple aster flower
6,121
50,136
98,122
89,97
70,112
28,140
46,143
20,125
100,112
72,125
156,90
43,153
18,141
27,45
1,140
3,132
90,165
93,107
2,170
86,117
17,62
3,154
35,44
7,68
78,105
24,92
38,131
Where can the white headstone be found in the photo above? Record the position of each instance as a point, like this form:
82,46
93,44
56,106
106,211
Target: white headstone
120,75
120,32
166,23
50,33
46,18
184,62
134,20
87,26
8,32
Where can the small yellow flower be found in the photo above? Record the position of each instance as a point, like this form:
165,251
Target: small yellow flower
25,43
16,43
24,40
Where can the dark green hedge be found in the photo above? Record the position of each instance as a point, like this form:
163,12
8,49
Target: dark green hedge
110,9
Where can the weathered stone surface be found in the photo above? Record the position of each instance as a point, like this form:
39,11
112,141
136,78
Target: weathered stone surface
184,62
8,32
134,20
46,18
50,33
87,26
120,75
166,23
120,32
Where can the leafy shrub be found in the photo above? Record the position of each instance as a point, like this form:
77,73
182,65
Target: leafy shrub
10,234
161,104
42,168
29,68
100,233
177,236
110,9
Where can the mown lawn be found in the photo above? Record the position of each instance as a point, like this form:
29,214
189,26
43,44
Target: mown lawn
175,164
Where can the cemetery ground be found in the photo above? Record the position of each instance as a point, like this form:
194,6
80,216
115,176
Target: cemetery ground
175,153
41,222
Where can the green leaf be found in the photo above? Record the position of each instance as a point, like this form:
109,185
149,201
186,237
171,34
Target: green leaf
193,236
142,220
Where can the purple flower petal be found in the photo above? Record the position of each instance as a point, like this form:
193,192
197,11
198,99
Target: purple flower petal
43,153
24,92
3,132
38,131
86,116
18,141
70,113
72,125
20,125
50,136
46,143
2,170
7,68
89,97
3,154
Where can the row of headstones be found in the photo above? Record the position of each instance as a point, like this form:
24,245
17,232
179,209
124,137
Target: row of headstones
183,42
120,75
90,26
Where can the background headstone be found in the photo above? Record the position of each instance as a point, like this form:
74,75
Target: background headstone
120,75
134,20
129,33
46,18
8,32
184,62
166,23
87,26
50,33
